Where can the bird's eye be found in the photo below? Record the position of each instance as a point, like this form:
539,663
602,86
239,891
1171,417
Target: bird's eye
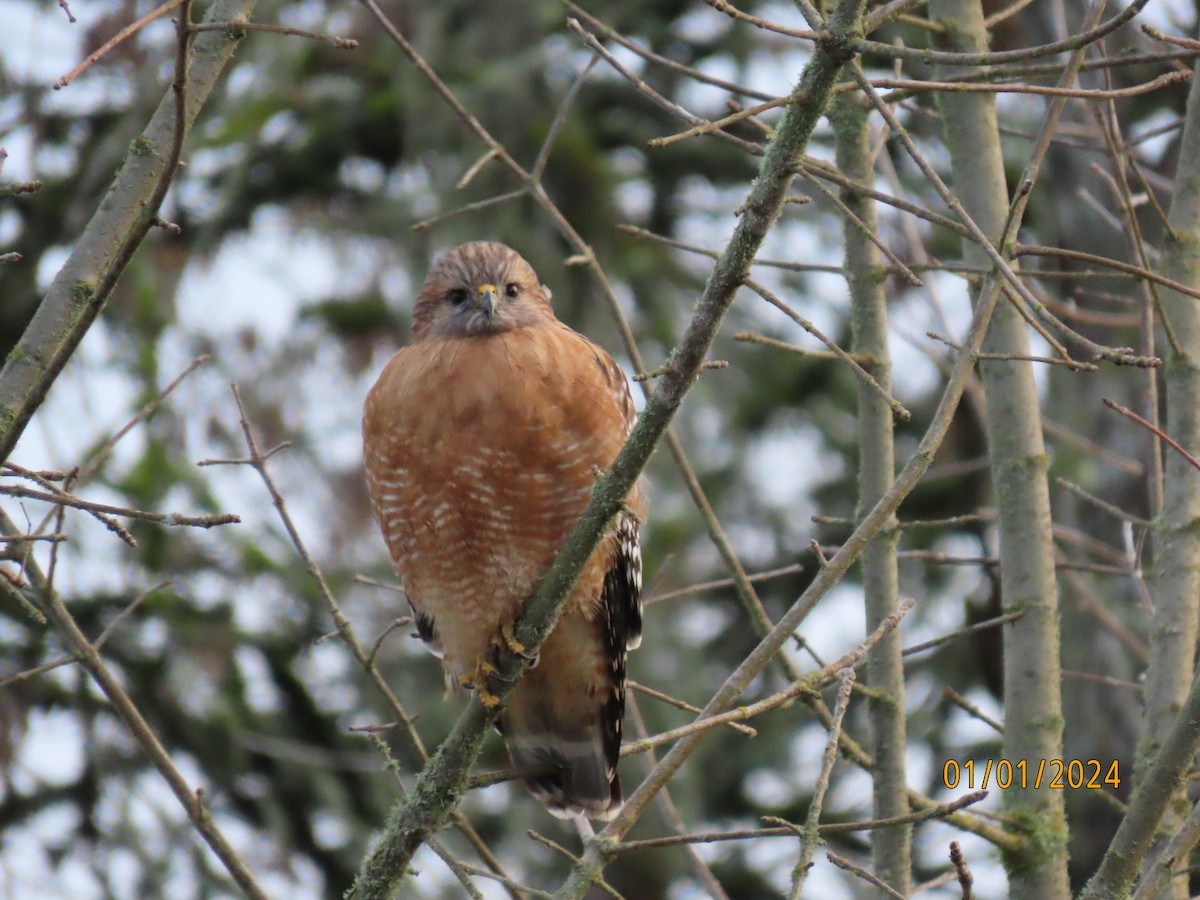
512,289
457,297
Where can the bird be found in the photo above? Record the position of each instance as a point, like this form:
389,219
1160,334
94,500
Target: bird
482,441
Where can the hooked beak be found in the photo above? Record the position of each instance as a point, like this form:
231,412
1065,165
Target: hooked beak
487,299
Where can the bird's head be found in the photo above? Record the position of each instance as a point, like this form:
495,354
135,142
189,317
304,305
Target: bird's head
478,289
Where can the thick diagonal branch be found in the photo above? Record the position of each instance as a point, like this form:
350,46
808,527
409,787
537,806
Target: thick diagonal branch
82,287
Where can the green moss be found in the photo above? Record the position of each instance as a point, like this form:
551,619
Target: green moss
1045,839
142,146
83,293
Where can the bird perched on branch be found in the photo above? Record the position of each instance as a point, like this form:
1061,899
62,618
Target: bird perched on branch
482,439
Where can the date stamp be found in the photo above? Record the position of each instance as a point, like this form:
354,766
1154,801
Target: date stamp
1055,774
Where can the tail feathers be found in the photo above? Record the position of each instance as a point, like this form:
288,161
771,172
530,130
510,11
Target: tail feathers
576,780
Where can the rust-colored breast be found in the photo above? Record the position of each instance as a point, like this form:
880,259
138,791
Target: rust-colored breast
480,455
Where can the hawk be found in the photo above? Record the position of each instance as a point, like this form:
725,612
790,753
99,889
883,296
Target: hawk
482,439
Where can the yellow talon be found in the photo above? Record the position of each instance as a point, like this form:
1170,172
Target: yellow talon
507,639
477,681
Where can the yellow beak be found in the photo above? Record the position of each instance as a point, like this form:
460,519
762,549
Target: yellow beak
488,299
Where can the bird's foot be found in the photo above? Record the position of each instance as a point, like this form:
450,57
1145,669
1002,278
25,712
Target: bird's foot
506,639
477,680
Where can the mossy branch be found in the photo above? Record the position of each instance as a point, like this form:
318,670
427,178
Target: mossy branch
1168,744
128,212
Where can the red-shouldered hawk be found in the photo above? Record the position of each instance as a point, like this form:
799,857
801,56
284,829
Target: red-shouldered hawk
482,440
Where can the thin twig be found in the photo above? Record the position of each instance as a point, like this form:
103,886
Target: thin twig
1131,467
1009,357
560,118
340,42
718,124
89,657
963,632
688,71
866,377
1106,680
758,22
669,105
1158,432
750,337
682,704
97,458
26,538
121,35
98,643
105,509
425,224
1024,54
1170,39
960,701
670,813
1020,249
907,273
806,685
842,863
810,836
938,811
1102,504
720,583
961,872
915,87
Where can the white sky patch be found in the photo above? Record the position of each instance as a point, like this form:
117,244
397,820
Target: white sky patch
324,668
1155,148
52,751
964,729
10,228
41,46
697,625
261,693
362,174
52,260
259,281
774,858
330,830
628,60
837,623
946,310
635,199
25,866
769,788
784,465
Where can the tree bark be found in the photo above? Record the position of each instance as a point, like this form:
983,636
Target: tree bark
1018,461
891,847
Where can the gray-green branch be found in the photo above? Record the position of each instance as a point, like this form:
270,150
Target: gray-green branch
125,216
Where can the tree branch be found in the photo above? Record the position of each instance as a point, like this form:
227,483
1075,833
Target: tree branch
83,285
